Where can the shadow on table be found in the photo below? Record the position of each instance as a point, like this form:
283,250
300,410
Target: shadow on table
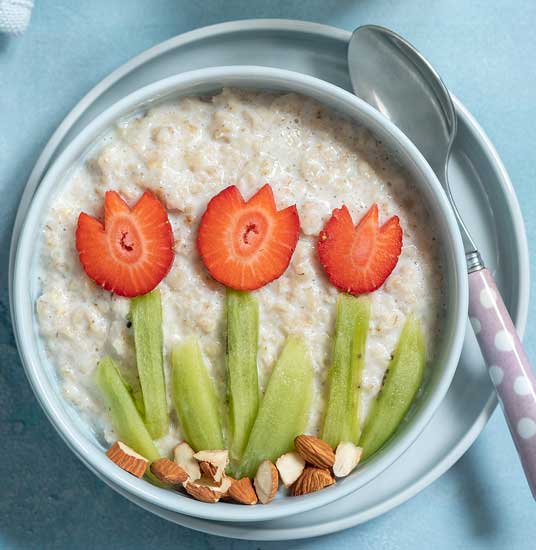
4,39
472,497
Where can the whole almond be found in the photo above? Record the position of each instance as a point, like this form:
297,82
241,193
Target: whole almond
127,459
312,479
242,491
202,492
315,451
266,482
168,471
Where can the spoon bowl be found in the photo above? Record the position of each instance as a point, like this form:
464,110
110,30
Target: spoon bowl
392,76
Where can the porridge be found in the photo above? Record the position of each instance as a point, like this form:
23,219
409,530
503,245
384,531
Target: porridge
186,151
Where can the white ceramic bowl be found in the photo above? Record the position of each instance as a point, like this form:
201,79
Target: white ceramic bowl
41,372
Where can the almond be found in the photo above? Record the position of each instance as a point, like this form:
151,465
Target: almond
312,479
184,457
211,472
290,467
168,471
242,491
266,482
315,451
225,486
217,462
127,459
347,457
201,491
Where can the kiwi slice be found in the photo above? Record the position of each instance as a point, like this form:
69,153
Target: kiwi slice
195,398
146,318
400,386
341,419
126,419
242,379
284,409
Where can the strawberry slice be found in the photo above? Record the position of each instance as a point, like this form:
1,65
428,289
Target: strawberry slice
245,245
358,259
132,251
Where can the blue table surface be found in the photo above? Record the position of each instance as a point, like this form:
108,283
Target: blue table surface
485,52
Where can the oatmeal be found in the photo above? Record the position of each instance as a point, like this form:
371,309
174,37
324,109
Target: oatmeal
187,150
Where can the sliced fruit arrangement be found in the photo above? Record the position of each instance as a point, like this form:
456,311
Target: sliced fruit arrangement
359,258
304,463
341,418
284,408
400,386
195,398
146,319
245,245
242,380
132,250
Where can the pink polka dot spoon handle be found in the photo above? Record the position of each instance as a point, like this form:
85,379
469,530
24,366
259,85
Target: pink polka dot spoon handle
508,366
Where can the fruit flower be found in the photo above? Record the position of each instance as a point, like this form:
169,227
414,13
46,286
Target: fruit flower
245,245
132,250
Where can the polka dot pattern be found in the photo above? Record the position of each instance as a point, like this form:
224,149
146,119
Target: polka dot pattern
504,341
487,297
509,367
522,386
475,323
526,428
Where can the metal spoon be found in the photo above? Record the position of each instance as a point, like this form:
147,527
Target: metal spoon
392,76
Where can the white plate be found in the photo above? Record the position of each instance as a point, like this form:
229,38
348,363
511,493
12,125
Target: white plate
492,214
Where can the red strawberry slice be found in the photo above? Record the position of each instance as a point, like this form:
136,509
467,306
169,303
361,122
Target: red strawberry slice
132,251
359,259
245,245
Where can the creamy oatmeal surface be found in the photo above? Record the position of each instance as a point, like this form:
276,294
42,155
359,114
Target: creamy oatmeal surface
186,151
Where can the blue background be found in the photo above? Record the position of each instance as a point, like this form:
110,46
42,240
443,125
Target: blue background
485,52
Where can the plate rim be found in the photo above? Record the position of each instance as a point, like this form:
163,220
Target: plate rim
328,31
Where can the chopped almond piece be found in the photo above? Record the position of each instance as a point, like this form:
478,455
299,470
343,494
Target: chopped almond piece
213,463
225,486
242,491
211,472
347,457
205,490
202,491
312,479
315,451
266,482
219,458
168,471
290,467
184,457
127,459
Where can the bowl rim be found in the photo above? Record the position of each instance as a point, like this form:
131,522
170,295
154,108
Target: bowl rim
24,310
